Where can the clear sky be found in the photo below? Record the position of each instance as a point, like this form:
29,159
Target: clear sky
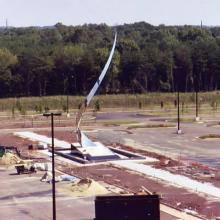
111,12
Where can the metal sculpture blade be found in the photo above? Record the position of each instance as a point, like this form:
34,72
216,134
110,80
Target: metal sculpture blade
102,75
91,94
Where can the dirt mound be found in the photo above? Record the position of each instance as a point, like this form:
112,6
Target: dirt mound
9,159
86,187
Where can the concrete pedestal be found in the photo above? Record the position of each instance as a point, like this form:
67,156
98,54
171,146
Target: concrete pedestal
179,132
197,119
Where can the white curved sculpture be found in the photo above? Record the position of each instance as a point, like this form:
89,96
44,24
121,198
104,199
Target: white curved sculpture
87,148
91,94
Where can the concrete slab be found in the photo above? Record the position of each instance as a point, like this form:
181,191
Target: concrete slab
25,197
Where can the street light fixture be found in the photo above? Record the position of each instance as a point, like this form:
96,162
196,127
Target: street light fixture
197,100
197,107
53,167
67,98
178,100
67,106
197,91
178,112
179,131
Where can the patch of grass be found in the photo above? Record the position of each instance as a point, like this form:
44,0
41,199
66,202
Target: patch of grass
151,126
149,101
119,122
157,113
209,136
182,120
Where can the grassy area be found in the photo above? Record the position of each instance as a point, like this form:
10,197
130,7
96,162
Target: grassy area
209,136
153,100
182,120
152,126
119,122
150,101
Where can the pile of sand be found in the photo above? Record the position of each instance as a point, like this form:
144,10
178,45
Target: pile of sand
9,159
86,187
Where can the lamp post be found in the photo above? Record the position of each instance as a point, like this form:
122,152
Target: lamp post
67,99
197,91
178,100
197,107
66,92
67,106
178,111
53,167
197,100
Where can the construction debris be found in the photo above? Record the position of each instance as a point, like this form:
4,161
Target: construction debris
47,177
38,146
25,166
9,159
85,187
43,166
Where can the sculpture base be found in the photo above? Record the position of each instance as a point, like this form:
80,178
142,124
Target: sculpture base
93,153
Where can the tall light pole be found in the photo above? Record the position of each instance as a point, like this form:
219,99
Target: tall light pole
53,164
178,111
197,91
67,106
66,91
197,106
178,101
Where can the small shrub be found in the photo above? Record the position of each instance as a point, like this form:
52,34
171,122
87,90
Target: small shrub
46,109
97,105
13,111
18,105
140,105
64,107
38,108
214,105
23,110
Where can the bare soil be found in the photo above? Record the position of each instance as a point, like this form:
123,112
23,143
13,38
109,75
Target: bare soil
132,182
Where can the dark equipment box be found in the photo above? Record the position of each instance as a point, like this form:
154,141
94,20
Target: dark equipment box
134,207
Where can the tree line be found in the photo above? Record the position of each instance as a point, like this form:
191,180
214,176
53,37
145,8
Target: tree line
63,59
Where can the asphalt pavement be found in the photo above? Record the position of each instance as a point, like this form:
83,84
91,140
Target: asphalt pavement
163,140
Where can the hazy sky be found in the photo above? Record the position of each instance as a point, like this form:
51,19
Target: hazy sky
75,12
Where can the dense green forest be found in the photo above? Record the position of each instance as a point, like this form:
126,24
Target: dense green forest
38,61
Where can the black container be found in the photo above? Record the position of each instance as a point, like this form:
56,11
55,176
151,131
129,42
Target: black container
135,207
